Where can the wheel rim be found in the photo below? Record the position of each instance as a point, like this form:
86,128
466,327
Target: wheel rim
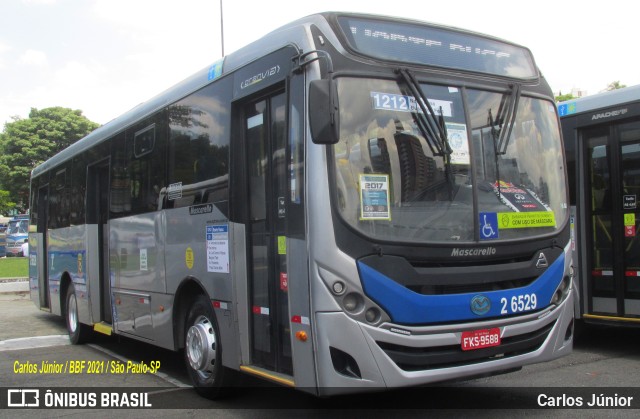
72,313
201,347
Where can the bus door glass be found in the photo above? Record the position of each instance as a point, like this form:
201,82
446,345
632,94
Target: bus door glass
41,228
613,162
98,213
265,133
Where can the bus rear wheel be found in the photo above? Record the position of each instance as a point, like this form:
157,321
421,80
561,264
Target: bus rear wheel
203,352
78,332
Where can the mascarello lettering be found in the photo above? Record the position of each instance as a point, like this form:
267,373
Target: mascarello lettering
483,251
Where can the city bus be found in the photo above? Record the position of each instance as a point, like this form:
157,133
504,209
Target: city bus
351,203
602,141
17,235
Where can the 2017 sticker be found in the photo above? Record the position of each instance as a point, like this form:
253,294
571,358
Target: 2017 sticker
374,197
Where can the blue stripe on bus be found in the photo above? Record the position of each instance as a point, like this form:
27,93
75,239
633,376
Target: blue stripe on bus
408,307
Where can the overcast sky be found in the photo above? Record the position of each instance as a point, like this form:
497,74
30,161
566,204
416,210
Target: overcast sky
106,56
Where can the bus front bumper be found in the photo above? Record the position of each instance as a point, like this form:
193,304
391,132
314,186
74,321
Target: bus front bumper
354,356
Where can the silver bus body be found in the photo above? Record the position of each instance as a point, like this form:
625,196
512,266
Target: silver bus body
138,274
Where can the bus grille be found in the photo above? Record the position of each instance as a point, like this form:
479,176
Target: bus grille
497,285
420,359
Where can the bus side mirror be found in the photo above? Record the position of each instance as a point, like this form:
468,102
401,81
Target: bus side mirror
323,112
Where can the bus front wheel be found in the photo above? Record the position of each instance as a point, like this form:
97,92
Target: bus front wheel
203,351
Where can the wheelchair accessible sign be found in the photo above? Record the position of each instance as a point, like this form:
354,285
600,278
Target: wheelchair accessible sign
488,226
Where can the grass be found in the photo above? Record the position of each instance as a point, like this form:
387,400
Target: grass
14,267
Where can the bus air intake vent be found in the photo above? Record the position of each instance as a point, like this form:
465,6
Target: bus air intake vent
344,363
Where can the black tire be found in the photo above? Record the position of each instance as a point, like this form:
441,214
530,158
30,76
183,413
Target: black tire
203,352
78,332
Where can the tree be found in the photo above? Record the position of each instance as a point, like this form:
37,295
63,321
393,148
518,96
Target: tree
562,98
615,85
25,143
5,205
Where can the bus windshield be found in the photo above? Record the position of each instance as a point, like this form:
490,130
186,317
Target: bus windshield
18,227
496,174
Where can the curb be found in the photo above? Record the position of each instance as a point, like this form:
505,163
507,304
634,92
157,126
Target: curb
14,285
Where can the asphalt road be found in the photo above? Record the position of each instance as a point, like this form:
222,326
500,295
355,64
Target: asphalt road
605,361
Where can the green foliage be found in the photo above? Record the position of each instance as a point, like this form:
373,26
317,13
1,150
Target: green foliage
25,143
615,85
5,204
562,98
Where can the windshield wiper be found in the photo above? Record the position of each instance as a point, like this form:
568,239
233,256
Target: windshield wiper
496,153
506,119
433,130
501,135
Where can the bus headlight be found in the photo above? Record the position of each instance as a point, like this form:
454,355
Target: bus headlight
350,298
562,291
353,302
372,315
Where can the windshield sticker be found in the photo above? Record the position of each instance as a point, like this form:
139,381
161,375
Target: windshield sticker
630,225
459,143
374,197
629,202
488,226
630,219
629,231
519,199
401,103
526,219
174,191
282,245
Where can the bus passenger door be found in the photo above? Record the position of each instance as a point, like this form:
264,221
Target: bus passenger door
264,126
98,215
613,219
41,229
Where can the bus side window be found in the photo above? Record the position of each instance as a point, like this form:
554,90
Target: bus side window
144,174
198,144
60,200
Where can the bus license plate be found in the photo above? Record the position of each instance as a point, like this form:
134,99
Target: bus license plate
478,339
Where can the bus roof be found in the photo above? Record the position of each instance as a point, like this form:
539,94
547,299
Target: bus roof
601,100
269,43
297,30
